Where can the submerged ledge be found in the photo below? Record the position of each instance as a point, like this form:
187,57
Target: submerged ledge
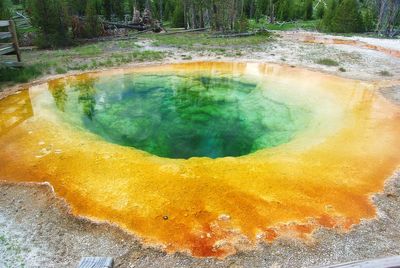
215,207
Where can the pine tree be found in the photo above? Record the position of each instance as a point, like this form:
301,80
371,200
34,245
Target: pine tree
107,6
178,15
369,20
347,18
113,8
92,23
258,9
328,15
51,19
308,10
4,9
320,11
284,10
77,7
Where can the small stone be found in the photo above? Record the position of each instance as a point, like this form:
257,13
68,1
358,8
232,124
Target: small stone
224,217
260,236
165,218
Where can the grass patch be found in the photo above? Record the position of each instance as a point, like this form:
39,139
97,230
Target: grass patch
21,75
87,50
385,73
343,70
60,70
127,44
147,55
264,24
327,62
137,55
81,58
186,57
205,40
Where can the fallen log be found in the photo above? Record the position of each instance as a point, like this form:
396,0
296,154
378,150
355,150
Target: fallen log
234,35
139,27
112,38
104,39
186,31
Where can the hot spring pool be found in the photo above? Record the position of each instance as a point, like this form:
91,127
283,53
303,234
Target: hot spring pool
198,114
205,157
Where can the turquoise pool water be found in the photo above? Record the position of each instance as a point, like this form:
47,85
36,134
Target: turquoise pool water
182,116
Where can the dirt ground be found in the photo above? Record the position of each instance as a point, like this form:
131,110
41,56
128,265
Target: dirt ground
36,229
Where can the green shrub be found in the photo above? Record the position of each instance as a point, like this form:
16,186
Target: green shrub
60,70
385,73
20,75
241,25
327,62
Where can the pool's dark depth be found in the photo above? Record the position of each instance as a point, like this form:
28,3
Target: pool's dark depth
182,116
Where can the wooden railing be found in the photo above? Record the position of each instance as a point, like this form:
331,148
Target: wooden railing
11,47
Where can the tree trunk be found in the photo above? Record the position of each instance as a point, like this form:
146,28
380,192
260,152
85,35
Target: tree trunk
160,6
251,11
272,12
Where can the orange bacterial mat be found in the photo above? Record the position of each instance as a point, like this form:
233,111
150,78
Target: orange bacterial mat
322,177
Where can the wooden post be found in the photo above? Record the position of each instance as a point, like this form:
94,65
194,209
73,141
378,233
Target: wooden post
10,47
13,32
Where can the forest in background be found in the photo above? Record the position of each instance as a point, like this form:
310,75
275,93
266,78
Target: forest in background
55,21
